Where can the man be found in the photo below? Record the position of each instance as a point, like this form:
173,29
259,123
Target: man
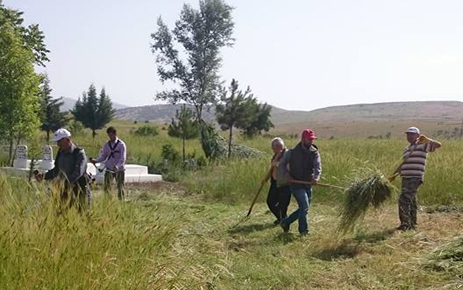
114,156
279,195
412,173
71,169
303,165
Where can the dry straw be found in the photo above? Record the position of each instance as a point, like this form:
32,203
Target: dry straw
369,188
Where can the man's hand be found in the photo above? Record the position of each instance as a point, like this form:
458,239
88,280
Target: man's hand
38,176
314,181
263,181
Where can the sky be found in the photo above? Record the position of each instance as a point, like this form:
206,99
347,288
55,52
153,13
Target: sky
294,54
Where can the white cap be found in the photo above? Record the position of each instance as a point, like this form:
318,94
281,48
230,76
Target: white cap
60,134
414,130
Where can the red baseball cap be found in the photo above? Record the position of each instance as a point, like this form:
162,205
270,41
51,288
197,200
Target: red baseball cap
309,134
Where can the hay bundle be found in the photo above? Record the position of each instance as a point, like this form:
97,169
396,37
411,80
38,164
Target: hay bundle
448,258
370,189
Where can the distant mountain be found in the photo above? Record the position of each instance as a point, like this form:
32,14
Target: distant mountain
352,120
69,105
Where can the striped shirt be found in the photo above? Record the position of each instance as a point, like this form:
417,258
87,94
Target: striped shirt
414,162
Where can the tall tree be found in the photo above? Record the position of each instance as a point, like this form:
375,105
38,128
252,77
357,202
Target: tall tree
92,111
19,88
261,118
232,111
201,34
51,115
184,126
31,37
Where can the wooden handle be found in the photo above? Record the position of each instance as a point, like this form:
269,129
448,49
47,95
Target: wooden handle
317,184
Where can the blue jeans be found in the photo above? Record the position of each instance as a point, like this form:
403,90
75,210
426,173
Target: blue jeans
304,198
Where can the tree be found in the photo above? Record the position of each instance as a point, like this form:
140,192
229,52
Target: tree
30,37
19,88
185,127
261,118
92,111
201,34
232,111
51,115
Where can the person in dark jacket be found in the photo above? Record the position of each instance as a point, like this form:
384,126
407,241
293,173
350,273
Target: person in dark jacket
279,196
302,164
70,169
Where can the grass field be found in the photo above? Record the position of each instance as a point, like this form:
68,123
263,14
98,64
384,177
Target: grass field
192,235
164,238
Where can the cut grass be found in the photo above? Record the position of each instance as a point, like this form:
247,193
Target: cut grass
370,189
162,240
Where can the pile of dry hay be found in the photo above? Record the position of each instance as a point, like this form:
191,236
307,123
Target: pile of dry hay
448,258
369,188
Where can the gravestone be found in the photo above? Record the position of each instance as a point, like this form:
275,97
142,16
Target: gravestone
21,157
47,158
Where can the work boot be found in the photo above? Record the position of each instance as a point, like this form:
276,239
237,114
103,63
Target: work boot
403,228
285,227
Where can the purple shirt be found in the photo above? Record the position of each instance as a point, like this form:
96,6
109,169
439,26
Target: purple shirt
114,159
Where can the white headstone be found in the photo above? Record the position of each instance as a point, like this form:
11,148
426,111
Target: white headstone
47,158
21,157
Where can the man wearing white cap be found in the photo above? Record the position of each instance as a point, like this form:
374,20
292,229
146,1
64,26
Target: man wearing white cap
71,168
412,173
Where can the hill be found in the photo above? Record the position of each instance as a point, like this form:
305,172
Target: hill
435,117
69,104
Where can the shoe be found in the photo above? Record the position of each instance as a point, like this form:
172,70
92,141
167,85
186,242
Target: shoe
276,222
285,227
403,228
306,233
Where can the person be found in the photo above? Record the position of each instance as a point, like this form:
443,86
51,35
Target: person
412,173
303,167
114,156
279,195
71,169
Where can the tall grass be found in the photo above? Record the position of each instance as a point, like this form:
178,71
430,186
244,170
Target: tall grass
237,180
113,246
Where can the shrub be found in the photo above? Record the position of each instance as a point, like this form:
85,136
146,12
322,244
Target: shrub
146,131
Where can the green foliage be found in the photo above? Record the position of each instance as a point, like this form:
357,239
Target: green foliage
51,115
201,34
184,126
19,87
92,111
146,130
234,111
261,114
30,37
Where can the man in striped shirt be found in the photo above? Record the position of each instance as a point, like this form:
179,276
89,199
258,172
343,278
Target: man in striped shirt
412,173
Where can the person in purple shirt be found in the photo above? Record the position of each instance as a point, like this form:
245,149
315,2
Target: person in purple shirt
113,155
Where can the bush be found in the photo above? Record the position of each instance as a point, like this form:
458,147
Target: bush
146,130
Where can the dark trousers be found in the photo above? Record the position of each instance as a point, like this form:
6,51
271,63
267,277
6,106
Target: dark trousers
120,177
407,201
77,196
278,200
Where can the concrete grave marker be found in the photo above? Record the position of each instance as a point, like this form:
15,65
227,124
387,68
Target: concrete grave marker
47,158
21,157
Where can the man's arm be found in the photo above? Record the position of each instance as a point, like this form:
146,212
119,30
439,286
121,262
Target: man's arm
123,156
79,169
104,154
317,170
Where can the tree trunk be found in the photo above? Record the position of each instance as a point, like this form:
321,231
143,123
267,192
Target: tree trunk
10,153
183,139
230,136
